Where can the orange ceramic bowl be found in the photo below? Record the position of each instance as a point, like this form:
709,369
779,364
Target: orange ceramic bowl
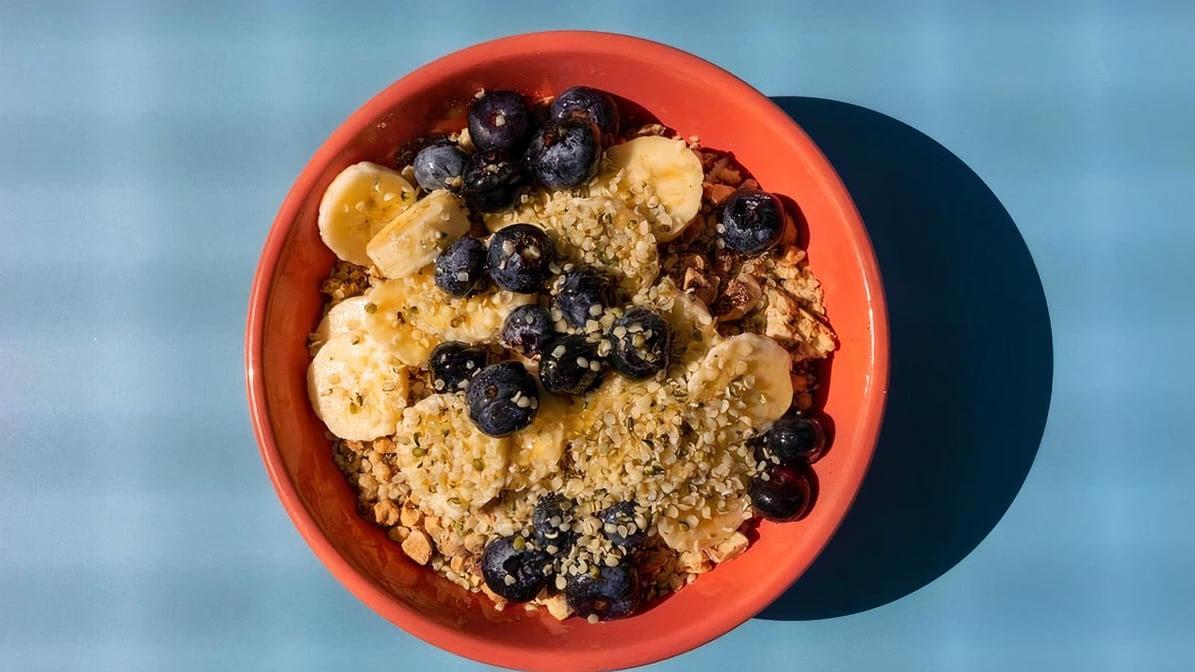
690,95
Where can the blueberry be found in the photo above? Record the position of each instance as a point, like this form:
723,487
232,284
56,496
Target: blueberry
782,493
752,221
514,570
619,526
502,398
640,343
438,164
453,363
552,512
579,291
461,268
520,256
565,153
794,439
607,592
500,120
527,328
597,106
492,179
570,365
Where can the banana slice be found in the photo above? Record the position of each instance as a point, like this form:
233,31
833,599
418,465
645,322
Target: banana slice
411,305
749,369
693,529
417,235
450,465
361,200
357,387
693,329
344,318
538,449
663,176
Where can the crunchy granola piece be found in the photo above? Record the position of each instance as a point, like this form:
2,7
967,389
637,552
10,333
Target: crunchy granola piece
694,562
726,174
691,268
432,525
410,515
732,547
558,606
649,129
417,547
398,533
345,281
737,298
717,193
795,327
385,512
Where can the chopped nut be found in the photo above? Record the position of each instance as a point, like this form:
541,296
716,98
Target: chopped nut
385,512
398,533
558,606
693,562
431,524
417,547
718,193
726,174
410,515
737,299
732,547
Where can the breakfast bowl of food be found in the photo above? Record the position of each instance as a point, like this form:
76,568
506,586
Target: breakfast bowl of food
567,351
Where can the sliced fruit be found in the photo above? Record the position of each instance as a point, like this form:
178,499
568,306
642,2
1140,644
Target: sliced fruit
697,530
357,387
693,330
663,177
749,368
414,238
345,317
358,203
413,303
450,465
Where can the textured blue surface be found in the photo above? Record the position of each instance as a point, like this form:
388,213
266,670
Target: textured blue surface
144,151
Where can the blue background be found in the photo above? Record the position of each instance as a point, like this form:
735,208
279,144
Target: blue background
144,151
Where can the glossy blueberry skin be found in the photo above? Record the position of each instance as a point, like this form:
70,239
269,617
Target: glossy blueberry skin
565,153
620,514
492,179
453,363
613,593
646,360
520,258
794,439
437,163
787,494
579,290
527,328
752,221
500,120
593,104
561,369
550,536
494,396
502,558
461,268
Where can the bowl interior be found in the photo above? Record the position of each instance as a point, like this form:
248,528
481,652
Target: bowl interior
689,95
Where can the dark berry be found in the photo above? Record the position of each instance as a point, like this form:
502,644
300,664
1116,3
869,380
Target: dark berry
619,526
502,398
640,343
514,570
781,493
520,256
607,592
565,153
553,512
452,364
570,365
752,221
492,179
500,120
581,295
461,268
527,328
439,164
795,439
592,104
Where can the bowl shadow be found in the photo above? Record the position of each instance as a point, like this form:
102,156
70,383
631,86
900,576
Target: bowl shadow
971,364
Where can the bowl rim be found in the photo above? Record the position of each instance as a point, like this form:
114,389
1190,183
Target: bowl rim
456,640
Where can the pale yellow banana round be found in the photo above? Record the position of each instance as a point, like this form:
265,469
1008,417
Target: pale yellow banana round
662,177
344,318
358,203
416,236
357,387
426,308
750,369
